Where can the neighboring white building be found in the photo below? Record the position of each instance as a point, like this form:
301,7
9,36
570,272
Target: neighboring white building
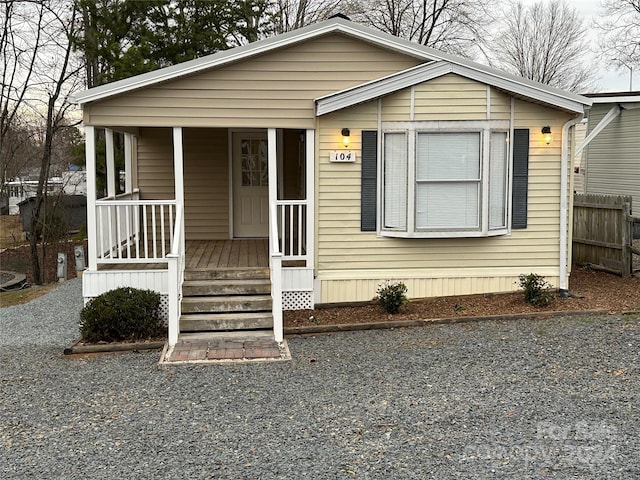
72,182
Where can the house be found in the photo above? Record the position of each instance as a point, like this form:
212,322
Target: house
309,167
611,150
73,181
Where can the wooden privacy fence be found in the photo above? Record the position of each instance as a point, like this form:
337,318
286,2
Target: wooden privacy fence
603,232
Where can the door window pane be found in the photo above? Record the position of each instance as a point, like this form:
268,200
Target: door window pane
254,161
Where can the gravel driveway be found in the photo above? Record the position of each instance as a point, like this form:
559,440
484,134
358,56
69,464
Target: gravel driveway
519,399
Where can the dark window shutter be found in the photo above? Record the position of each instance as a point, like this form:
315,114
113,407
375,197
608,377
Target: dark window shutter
520,191
369,181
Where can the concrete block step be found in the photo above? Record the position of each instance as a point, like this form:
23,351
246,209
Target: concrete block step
227,303
227,273
235,335
226,287
205,322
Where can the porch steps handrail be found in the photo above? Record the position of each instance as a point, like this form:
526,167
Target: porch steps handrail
275,255
175,264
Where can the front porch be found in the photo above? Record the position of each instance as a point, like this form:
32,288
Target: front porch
163,245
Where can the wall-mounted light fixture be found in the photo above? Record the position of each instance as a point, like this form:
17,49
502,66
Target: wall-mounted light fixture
345,136
547,135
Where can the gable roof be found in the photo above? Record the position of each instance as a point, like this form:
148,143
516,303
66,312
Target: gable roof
435,60
510,83
225,57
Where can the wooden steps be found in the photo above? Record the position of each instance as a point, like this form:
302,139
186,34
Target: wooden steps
226,300
198,288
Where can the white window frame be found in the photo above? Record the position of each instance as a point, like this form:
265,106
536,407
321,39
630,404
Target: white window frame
485,128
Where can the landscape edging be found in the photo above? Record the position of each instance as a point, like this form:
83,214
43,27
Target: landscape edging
75,348
347,327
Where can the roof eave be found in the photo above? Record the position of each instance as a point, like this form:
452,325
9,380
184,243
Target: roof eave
371,90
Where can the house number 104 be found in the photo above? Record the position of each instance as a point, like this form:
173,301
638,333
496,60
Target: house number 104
342,156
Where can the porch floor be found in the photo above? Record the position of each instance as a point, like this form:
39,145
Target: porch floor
211,255
237,253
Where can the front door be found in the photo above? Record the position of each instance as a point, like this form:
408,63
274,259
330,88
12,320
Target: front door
250,184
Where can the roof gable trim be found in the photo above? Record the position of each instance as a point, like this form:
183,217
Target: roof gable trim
426,72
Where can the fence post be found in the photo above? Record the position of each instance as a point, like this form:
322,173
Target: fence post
626,236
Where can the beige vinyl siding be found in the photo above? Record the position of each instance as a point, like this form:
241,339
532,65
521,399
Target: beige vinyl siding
500,104
396,106
272,90
206,178
155,164
450,97
613,157
351,263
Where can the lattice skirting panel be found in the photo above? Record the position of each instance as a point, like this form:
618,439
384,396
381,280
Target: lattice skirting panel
164,308
297,300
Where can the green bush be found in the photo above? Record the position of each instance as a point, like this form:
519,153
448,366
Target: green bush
123,314
391,295
536,289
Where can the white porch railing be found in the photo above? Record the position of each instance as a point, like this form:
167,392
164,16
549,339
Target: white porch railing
275,261
292,229
134,231
176,263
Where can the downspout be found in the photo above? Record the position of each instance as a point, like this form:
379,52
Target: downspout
564,206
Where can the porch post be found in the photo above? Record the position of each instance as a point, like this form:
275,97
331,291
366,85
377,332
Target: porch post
111,167
274,248
178,166
175,260
90,165
310,187
128,181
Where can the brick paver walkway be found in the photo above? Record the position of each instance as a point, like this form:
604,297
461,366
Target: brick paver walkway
226,349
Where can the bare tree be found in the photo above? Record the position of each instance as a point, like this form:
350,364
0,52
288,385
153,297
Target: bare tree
19,50
619,40
286,15
39,74
545,42
455,26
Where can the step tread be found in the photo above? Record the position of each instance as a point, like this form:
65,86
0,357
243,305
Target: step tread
226,298
226,321
234,281
225,315
203,288
260,334
227,273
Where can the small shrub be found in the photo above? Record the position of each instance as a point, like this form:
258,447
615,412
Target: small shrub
536,289
120,315
391,295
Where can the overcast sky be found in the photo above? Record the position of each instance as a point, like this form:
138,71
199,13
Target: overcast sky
609,81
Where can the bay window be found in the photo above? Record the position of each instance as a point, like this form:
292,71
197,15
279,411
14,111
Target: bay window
444,179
